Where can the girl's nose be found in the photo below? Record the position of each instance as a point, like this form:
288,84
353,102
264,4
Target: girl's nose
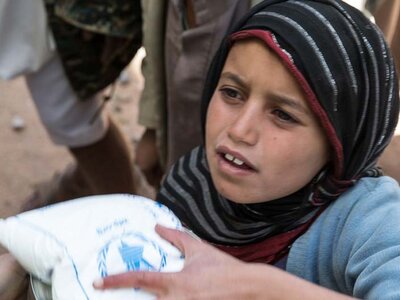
245,128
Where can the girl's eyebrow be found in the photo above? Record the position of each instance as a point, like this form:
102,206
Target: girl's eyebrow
235,78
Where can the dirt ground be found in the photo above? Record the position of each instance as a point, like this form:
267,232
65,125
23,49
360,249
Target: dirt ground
27,155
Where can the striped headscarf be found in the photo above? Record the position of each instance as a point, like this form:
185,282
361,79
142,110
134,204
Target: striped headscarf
342,63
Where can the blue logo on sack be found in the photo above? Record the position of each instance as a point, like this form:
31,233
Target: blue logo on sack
133,258
130,252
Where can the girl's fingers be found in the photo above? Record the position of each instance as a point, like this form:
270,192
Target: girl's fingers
154,282
182,240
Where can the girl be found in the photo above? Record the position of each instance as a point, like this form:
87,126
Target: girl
300,101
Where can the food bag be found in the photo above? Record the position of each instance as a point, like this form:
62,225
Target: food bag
69,245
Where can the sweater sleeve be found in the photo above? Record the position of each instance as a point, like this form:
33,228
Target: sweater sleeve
370,241
354,247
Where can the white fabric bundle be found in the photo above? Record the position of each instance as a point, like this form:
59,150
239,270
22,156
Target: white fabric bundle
68,245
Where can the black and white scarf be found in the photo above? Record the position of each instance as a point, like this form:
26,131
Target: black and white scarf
343,65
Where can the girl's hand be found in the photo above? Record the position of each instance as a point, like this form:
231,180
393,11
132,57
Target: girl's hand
208,273
211,274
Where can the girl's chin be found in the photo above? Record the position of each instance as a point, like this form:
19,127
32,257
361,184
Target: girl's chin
241,198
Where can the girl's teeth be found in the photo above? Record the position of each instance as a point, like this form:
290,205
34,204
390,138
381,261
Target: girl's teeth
238,162
233,159
229,157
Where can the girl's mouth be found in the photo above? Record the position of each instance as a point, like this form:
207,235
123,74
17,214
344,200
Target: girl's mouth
234,161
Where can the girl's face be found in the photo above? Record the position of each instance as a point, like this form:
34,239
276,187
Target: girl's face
262,140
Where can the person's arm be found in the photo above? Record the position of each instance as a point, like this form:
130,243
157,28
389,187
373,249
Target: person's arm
211,274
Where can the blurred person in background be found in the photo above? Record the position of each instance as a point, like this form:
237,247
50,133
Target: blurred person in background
69,51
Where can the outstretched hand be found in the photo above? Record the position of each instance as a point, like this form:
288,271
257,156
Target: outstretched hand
208,273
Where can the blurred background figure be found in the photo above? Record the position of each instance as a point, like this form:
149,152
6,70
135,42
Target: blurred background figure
69,51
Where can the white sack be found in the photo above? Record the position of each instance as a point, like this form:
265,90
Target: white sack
69,245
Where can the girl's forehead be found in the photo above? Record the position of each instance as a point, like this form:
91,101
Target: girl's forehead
254,58
250,54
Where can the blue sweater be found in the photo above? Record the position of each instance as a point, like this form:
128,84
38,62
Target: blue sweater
354,246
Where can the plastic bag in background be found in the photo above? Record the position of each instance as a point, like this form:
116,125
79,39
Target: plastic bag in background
70,244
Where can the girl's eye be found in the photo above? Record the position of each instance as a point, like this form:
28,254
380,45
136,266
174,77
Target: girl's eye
230,93
283,116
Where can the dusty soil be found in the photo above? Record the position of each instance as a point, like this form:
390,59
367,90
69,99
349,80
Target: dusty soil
27,155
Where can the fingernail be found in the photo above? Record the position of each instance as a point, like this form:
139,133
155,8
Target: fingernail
98,283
